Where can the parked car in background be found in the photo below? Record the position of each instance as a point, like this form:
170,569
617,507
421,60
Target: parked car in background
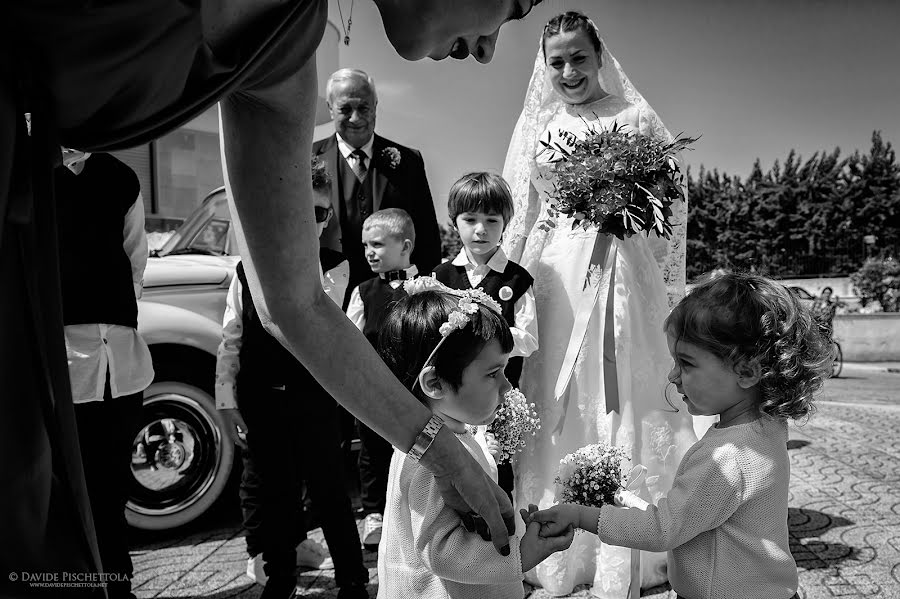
181,458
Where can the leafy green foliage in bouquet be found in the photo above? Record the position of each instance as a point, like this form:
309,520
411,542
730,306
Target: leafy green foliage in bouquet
617,181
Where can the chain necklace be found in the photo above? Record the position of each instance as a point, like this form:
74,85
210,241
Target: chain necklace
349,21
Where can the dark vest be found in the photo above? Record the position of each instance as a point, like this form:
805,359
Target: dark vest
514,276
264,361
378,298
357,204
95,271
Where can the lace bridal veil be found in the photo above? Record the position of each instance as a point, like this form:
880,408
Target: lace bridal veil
541,104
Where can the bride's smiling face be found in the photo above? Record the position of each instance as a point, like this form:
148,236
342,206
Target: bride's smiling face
572,65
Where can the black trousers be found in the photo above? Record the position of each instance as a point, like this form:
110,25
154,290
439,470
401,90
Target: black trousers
45,519
374,465
294,438
106,431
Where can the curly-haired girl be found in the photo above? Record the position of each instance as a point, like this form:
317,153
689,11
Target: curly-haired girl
747,351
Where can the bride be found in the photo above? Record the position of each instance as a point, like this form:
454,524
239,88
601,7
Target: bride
600,373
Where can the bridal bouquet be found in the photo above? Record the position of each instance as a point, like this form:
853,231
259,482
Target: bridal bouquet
514,422
619,182
591,476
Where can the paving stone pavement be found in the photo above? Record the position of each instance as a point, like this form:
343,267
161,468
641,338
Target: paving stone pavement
844,515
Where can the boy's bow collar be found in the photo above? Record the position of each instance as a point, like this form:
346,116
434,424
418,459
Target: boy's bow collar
394,275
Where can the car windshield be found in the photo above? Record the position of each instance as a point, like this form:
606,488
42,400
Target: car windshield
205,231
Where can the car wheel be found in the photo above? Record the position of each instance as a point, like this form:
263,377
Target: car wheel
181,457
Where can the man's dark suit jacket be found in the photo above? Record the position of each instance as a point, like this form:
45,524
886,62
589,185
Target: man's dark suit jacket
402,186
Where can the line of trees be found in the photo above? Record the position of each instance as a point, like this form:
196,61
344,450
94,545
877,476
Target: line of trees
821,216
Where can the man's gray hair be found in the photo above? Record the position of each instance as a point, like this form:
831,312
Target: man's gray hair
349,75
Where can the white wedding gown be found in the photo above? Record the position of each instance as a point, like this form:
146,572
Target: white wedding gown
650,431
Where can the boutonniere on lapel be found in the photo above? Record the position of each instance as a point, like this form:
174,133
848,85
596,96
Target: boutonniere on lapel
506,293
391,155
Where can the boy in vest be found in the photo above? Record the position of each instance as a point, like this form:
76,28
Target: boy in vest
480,206
289,426
100,220
389,238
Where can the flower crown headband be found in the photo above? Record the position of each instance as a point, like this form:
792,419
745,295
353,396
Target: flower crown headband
459,317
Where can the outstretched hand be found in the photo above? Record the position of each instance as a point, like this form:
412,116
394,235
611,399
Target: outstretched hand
555,520
535,547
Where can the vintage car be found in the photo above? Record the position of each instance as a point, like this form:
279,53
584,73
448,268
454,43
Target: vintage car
181,458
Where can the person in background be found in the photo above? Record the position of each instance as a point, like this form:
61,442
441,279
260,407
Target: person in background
100,222
823,310
371,173
389,240
287,426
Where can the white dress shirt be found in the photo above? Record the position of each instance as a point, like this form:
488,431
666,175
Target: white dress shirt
95,349
346,149
228,362
356,310
525,333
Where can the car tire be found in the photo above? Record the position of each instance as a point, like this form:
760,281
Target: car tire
181,457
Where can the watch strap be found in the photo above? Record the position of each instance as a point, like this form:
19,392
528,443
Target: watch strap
425,438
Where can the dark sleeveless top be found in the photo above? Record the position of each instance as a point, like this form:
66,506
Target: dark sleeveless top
120,73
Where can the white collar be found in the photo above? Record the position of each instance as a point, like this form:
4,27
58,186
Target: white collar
346,149
497,262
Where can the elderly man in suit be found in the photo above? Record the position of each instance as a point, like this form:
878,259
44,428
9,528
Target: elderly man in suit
371,173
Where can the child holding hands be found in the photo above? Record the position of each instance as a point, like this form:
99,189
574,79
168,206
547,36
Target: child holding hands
451,348
747,351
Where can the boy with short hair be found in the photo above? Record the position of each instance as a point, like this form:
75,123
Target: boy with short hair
389,238
480,206
292,435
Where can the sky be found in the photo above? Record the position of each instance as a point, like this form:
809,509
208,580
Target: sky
753,78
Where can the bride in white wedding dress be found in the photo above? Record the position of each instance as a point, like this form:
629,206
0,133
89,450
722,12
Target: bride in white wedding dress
611,385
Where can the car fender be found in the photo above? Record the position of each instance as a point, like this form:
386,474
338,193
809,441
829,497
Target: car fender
163,323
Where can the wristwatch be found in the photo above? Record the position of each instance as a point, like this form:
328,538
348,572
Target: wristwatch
425,438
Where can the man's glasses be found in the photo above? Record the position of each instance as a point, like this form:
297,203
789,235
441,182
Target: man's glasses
323,214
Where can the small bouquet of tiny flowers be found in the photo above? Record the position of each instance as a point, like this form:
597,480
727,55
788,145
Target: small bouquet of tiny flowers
514,422
592,475
616,181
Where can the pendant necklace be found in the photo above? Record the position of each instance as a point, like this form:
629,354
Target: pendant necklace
349,21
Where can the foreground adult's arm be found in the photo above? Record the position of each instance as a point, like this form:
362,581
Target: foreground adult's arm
266,145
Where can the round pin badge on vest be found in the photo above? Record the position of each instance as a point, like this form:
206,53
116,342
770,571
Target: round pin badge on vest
506,293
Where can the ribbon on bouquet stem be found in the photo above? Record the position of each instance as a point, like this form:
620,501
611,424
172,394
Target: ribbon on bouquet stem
599,268
630,499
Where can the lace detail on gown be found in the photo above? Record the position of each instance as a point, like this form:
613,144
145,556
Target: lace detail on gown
632,280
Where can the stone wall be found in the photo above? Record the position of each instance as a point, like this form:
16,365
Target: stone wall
869,337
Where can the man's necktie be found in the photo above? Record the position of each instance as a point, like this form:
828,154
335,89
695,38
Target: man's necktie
358,164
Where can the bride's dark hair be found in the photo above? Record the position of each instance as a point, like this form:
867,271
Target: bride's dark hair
571,21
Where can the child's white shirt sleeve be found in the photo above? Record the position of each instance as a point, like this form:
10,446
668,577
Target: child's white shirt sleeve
525,333
356,311
448,550
228,362
705,494
335,282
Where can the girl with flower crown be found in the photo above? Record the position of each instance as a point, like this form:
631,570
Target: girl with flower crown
599,375
450,348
